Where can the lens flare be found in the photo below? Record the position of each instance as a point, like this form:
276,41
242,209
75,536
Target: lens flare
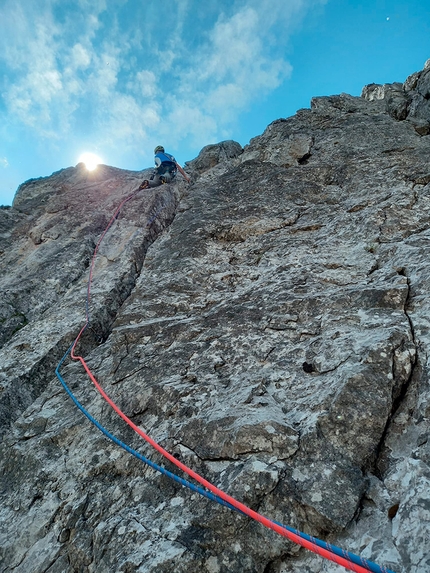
90,160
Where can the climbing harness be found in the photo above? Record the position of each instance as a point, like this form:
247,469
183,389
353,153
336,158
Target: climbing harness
210,491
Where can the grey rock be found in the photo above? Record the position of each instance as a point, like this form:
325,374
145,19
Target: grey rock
220,153
410,100
267,325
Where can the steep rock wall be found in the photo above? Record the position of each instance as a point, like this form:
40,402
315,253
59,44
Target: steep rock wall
268,325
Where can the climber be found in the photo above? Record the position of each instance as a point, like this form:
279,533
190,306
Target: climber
165,169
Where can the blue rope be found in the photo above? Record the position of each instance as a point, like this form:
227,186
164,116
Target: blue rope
375,568
130,450
370,565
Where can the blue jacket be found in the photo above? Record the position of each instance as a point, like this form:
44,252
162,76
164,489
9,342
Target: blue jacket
164,162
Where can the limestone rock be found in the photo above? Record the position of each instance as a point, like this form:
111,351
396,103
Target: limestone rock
410,100
267,325
223,153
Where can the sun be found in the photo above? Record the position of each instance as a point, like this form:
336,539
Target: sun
91,160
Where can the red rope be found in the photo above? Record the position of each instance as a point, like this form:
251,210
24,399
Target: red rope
227,498
231,500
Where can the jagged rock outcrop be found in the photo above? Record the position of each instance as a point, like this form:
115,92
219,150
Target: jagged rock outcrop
268,325
409,100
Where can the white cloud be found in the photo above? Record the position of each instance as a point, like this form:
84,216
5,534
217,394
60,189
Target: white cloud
29,48
80,57
4,162
235,66
144,83
97,6
248,48
234,44
186,119
126,121
85,75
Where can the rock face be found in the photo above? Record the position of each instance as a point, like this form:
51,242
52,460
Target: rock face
268,325
406,101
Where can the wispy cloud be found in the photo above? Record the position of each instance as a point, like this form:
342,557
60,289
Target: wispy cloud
4,162
241,60
94,69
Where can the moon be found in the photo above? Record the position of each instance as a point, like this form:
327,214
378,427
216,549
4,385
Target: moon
91,160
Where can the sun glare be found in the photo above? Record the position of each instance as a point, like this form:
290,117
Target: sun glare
90,160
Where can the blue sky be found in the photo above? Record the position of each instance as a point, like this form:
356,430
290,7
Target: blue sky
117,77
